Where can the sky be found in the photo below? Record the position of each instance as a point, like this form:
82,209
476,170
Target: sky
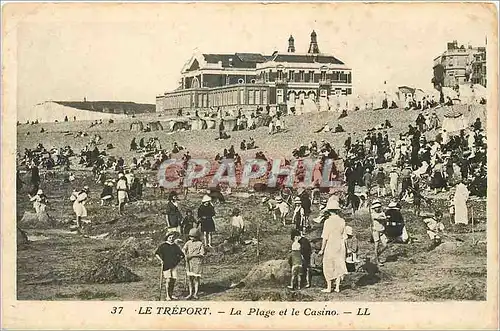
135,52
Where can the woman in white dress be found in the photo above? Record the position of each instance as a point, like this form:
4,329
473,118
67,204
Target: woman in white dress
333,247
460,204
79,199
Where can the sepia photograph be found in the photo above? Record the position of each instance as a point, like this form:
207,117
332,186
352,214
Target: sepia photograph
190,154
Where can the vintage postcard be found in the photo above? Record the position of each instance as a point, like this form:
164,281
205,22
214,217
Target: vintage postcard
249,165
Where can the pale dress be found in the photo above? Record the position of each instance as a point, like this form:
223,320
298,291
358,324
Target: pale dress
79,204
193,250
460,204
335,252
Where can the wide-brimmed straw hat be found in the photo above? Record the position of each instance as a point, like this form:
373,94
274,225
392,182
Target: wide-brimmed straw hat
297,200
175,234
279,199
348,230
393,205
194,233
332,204
206,198
376,204
172,195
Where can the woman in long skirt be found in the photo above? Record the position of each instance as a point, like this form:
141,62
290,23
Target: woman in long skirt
333,247
206,213
437,180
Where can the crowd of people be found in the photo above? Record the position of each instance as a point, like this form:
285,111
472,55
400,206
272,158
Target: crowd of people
375,166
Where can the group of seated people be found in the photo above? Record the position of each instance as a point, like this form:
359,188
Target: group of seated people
152,145
325,150
244,145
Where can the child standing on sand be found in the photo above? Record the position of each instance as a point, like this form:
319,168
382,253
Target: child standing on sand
194,252
296,262
237,226
188,223
170,254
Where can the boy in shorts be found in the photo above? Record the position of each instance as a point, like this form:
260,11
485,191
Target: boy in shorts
296,262
378,228
170,255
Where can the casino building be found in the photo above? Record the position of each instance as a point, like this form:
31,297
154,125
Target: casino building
248,80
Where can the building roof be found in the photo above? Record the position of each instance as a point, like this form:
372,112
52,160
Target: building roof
309,58
250,60
100,106
237,60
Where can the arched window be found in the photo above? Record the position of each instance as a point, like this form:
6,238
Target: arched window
195,83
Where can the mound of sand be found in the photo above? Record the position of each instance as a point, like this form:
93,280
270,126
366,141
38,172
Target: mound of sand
270,295
448,247
273,271
459,291
22,237
132,248
108,271
36,221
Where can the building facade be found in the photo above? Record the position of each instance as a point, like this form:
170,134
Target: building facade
479,67
243,80
463,65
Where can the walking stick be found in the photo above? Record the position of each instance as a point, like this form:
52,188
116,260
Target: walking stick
161,282
258,239
472,224
186,278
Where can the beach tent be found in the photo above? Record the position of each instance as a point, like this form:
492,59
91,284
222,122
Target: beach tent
198,124
479,92
136,126
309,106
454,120
178,124
323,104
210,123
466,94
229,123
449,92
263,120
156,126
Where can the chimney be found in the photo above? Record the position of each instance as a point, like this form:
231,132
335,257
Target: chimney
313,46
291,45
84,99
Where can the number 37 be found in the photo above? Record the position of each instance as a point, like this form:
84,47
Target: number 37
116,310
